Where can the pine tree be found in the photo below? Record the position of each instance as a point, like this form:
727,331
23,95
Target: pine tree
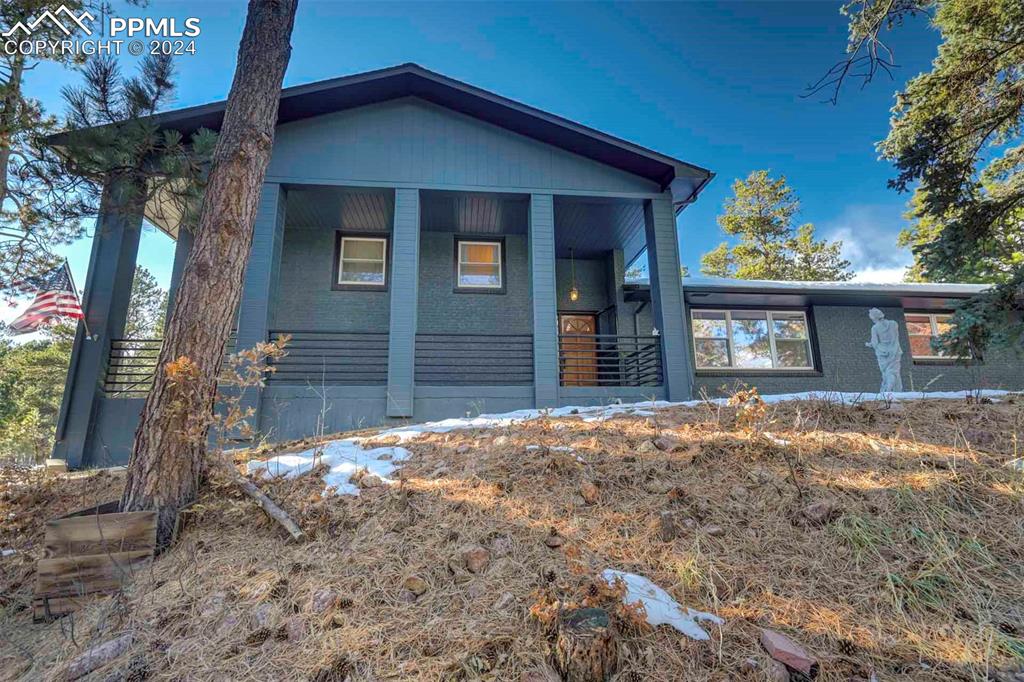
760,214
956,139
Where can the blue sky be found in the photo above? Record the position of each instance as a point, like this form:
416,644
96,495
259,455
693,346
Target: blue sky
716,84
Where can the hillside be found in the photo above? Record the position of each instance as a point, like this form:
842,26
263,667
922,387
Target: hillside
887,540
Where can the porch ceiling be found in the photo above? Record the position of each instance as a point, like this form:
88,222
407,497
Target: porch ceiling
474,213
591,226
363,210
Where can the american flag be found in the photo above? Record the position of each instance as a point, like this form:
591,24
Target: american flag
55,297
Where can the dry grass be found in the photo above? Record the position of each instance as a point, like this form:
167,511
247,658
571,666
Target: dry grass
919,575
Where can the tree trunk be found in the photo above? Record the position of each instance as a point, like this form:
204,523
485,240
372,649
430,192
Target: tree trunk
587,647
9,113
168,455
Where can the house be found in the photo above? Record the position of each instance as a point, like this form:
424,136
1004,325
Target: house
434,249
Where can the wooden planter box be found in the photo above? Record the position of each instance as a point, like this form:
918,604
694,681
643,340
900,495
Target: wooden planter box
90,552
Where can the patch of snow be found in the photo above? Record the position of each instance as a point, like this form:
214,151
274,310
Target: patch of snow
660,607
343,459
7,552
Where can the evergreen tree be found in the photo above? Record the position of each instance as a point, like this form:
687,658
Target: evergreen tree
147,307
760,214
956,137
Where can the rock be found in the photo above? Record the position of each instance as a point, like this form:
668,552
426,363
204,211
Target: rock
416,585
371,481
589,492
669,526
657,487
475,558
501,546
786,651
554,540
213,604
96,657
295,629
504,601
463,449
646,447
669,444
820,513
714,531
323,600
760,475
748,666
501,441
262,614
777,672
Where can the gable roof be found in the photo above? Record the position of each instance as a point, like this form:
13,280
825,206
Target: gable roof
315,99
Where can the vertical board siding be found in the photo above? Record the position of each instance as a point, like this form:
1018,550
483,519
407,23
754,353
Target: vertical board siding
415,142
404,298
542,280
667,295
108,288
260,275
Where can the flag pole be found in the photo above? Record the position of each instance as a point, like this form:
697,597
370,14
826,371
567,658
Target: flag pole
88,334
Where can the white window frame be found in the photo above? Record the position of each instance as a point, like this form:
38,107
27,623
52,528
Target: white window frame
933,323
732,367
384,262
458,270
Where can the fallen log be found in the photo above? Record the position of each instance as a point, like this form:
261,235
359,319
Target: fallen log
587,646
96,657
266,504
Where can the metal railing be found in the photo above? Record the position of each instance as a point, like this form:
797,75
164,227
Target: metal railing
130,367
474,359
328,357
131,364
609,360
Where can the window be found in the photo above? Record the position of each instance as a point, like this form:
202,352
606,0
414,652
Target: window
362,261
751,339
923,328
479,265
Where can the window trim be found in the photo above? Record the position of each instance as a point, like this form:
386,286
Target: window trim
340,237
934,327
457,263
731,369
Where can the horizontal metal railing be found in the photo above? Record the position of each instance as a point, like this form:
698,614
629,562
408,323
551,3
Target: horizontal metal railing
132,363
474,359
609,360
130,367
330,357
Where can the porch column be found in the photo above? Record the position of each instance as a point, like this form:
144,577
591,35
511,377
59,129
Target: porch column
667,295
182,248
259,289
108,287
405,265
545,307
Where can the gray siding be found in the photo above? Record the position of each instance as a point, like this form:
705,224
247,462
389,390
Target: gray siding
306,298
442,310
846,364
590,280
410,142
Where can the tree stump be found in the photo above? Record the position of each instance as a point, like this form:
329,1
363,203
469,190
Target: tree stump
587,646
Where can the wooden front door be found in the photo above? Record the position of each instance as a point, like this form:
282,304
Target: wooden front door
578,349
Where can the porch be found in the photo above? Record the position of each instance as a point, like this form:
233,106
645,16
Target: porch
426,304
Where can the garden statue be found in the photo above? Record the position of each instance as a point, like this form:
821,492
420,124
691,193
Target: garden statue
885,339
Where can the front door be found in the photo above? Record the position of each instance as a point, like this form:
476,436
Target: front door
578,349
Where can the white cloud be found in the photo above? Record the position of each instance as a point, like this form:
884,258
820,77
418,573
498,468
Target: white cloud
868,233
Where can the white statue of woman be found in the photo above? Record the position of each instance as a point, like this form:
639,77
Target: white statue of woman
885,339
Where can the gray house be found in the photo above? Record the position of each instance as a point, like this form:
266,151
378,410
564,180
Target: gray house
433,249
